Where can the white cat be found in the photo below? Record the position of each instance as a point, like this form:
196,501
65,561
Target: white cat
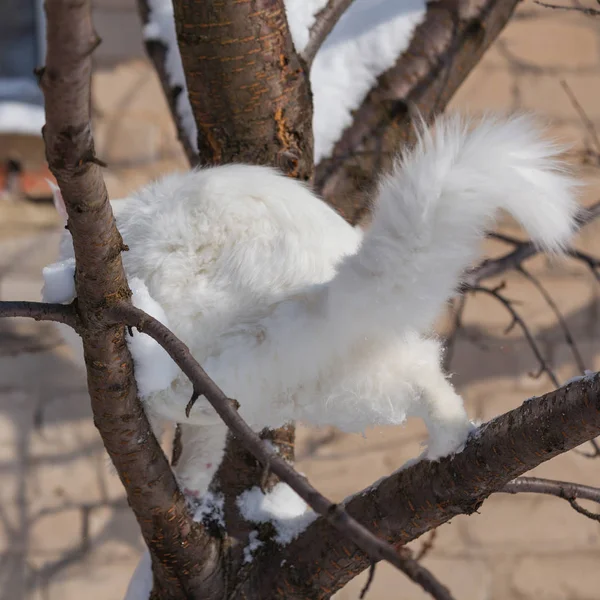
298,315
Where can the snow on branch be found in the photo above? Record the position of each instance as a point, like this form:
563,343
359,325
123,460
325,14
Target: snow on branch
160,39
444,48
324,22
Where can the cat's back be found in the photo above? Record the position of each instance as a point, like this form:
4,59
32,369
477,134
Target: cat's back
231,234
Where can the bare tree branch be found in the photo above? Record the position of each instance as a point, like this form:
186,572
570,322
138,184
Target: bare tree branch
592,12
561,489
40,311
100,281
518,320
325,21
420,497
444,49
525,250
562,322
226,408
587,122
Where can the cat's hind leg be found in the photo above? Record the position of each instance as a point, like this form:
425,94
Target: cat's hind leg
201,454
384,384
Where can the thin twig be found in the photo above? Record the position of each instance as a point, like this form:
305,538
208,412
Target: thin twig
595,450
427,546
570,492
456,327
422,576
325,21
226,408
518,320
527,249
587,122
370,578
40,311
559,316
592,12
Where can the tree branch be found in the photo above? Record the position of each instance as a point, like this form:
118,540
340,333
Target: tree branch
157,51
592,12
325,21
40,311
226,408
561,489
444,49
524,250
420,497
518,320
100,281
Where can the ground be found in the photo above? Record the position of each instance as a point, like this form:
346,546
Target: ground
65,530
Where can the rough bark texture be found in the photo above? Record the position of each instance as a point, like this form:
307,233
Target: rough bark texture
417,499
100,282
444,49
248,89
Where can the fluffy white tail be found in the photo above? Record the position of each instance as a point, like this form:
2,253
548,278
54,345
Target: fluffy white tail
429,218
433,209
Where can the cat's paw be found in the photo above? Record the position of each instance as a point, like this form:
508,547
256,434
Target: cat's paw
449,440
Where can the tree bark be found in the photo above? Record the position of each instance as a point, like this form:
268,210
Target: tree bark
248,88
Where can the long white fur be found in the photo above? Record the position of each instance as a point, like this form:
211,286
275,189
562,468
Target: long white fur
298,315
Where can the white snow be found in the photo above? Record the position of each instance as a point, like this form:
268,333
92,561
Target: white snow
140,586
301,17
366,41
154,368
22,118
161,27
253,545
211,506
59,281
587,374
282,507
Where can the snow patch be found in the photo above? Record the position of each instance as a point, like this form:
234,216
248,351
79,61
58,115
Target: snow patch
161,28
59,282
282,507
211,507
253,545
301,17
587,375
366,41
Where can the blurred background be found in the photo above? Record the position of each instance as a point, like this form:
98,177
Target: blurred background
65,529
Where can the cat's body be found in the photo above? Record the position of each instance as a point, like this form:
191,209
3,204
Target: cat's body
297,315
